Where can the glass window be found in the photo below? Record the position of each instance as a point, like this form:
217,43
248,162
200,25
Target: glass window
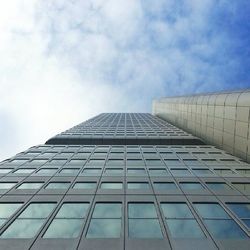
143,221
24,171
180,172
191,186
28,223
114,171
245,172
218,186
85,185
180,221
46,171
136,171
242,210
73,171
138,185
58,185
218,221
201,171
7,185
105,221
92,171
7,210
244,187
158,172
224,171
68,221
30,185
5,170
165,186
111,185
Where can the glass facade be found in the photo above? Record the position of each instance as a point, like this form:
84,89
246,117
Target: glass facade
116,195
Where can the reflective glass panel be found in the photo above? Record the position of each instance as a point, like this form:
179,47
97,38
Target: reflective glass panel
142,210
58,185
107,210
7,209
111,185
191,186
104,228
64,228
176,210
37,210
85,185
180,228
225,229
23,228
144,228
165,185
211,210
138,185
30,185
7,185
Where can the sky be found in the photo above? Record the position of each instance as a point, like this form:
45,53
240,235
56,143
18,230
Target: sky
64,61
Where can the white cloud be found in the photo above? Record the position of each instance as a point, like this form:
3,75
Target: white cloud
65,61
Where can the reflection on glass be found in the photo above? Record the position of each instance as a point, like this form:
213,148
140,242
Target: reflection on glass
111,185
201,171
144,228
106,221
191,186
7,185
37,210
113,171
107,210
138,185
85,185
225,229
165,186
7,209
176,210
142,210
24,171
30,185
69,171
73,210
68,221
91,171
104,228
136,171
244,187
242,210
23,228
158,172
64,228
180,228
211,210
46,171
217,186
180,172
58,185
5,170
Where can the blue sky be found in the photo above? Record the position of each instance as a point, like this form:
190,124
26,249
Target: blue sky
65,61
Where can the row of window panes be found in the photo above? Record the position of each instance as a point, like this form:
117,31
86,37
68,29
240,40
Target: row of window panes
167,186
143,222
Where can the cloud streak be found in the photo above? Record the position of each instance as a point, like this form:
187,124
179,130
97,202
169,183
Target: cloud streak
65,61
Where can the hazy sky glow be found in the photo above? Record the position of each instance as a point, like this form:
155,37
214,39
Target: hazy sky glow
64,61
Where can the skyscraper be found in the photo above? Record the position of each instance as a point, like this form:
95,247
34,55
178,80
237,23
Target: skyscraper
124,181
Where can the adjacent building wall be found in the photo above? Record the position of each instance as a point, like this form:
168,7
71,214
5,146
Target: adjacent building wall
221,119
